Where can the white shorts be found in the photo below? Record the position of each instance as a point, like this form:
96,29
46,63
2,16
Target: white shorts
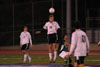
63,54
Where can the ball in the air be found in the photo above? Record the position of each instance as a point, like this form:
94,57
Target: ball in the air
51,10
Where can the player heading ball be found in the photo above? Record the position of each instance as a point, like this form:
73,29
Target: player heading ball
25,43
52,26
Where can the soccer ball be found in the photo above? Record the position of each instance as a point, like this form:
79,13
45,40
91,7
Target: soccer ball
51,10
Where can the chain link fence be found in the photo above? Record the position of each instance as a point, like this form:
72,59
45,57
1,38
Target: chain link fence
93,24
15,14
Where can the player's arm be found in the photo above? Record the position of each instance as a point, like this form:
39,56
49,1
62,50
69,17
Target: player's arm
44,28
57,26
40,31
30,39
88,45
73,43
20,43
21,36
67,43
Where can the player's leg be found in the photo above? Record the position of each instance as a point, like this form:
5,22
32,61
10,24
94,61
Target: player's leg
28,56
65,55
81,65
24,52
65,61
75,64
50,53
25,55
27,49
70,60
49,37
79,61
55,38
82,61
55,51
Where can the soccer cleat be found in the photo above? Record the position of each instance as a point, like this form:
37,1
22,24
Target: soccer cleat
53,61
50,61
70,65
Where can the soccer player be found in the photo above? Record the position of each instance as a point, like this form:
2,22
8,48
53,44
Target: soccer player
52,26
79,45
64,46
25,43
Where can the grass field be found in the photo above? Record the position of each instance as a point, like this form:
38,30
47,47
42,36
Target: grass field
43,59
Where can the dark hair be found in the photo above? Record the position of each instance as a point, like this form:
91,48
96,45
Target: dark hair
77,25
65,35
51,16
25,27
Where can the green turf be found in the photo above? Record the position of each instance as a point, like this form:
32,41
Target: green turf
40,59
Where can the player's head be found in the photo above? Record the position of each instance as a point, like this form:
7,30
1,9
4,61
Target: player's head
51,18
65,36
77,25
25,28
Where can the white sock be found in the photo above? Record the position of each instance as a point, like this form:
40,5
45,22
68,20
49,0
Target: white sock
50,56
25,58
55,55
29,58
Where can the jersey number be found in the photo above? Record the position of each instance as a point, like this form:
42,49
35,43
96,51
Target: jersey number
83,38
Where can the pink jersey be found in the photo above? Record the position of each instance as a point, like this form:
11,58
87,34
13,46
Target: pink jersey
79,43
25,38
51,27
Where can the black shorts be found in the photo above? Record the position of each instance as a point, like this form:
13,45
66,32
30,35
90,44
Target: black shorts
80,60
25,47
52,38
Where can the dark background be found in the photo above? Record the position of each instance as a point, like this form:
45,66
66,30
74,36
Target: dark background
15,14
